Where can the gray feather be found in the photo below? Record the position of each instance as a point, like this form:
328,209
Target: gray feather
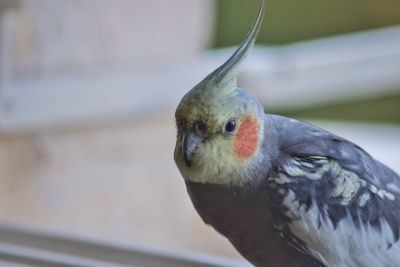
226,73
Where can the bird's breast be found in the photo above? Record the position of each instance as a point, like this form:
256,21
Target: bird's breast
242,215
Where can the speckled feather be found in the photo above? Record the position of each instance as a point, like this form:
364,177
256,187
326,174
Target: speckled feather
321,183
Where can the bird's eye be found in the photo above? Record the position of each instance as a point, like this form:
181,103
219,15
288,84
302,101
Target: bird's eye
199,127
230,126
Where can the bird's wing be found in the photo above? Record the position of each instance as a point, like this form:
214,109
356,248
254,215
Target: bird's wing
334,201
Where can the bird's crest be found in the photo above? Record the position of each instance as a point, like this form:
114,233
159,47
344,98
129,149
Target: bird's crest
224,77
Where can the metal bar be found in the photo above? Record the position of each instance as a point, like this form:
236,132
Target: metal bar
12,264
45,258
24,246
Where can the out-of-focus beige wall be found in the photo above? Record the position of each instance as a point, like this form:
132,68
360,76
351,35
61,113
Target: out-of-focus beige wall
114,181
55,34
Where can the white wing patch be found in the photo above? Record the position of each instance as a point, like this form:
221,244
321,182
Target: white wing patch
363,199
381,193
347,183
346,245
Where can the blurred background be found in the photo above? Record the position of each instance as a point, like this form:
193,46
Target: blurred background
88,91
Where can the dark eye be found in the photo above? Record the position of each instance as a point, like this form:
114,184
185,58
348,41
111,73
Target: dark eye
230,126
199,127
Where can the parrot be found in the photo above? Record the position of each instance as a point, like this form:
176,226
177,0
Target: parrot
284,192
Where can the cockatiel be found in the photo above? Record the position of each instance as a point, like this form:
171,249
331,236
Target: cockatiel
284,192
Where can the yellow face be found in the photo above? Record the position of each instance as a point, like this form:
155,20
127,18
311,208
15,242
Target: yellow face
211,162
215,142
220,127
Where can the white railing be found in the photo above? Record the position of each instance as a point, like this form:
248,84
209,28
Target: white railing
351,65
345,66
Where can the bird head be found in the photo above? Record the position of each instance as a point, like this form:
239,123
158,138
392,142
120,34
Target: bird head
220,126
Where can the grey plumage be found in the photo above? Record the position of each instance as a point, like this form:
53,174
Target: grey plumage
341,182
229,67
290,185
284,192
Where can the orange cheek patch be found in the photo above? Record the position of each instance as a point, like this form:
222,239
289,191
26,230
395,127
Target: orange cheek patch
246,139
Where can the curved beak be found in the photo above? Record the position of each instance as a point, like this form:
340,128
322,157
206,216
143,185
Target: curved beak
190,142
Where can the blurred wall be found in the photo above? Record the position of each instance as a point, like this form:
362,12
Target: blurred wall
114,181
50,35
